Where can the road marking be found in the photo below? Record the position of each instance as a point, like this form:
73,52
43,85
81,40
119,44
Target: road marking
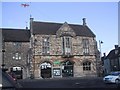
77,83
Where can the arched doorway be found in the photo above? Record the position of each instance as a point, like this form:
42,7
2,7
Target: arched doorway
46,70
16,72
67,69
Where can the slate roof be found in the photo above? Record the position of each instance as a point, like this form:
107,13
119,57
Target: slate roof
51,28
112,54
15,35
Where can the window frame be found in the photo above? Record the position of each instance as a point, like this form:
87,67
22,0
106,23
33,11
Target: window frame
85,46
67,45
17,56
45,46
86,66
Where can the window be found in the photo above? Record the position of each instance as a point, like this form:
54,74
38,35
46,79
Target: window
66,43
17,44
17,56
85,46
87,66
45,45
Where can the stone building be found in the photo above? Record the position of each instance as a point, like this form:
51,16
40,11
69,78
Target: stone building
16,46
62,50
51,50
111,62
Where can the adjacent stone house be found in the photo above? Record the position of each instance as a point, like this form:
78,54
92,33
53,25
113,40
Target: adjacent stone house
112,61
16,46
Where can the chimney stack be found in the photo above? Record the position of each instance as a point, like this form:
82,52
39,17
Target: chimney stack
116,46
31,26
104,54
84,21
31,19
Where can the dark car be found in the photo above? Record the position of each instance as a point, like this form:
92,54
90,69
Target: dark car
12,75
7,82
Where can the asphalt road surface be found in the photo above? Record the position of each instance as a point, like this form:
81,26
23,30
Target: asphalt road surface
95,82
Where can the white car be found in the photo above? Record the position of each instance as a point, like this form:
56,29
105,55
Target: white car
118,83
112,77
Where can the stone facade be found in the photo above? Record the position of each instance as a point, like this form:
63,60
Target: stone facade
52,50
16,55
56,55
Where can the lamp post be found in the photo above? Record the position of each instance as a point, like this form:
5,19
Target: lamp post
3,53
100,42
3,62
3,56
100,66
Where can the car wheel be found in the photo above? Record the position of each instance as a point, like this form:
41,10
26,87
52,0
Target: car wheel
116,81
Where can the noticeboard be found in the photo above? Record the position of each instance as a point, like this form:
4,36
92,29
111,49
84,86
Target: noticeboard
56,72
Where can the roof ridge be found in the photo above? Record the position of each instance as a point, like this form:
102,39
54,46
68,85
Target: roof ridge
13,29
50,22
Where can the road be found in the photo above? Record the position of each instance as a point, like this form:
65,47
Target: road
66,83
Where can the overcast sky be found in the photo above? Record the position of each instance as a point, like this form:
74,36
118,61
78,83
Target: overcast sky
101,17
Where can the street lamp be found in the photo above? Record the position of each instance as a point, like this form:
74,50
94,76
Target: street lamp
100,42
100,66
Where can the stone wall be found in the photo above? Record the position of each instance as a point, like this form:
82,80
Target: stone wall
56,45
56,54
10,49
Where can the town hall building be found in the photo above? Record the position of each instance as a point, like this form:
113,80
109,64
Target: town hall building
51,50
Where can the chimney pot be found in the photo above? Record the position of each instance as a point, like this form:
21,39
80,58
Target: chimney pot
26,28
104,54
84,21
31,19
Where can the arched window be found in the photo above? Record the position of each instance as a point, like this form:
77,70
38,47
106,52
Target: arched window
87,66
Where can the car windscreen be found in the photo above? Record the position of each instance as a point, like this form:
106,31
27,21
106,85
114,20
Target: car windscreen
114,73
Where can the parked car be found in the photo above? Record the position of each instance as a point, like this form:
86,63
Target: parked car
118,83
113,77
12,75
7,82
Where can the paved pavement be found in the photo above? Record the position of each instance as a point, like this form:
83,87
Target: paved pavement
95,82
